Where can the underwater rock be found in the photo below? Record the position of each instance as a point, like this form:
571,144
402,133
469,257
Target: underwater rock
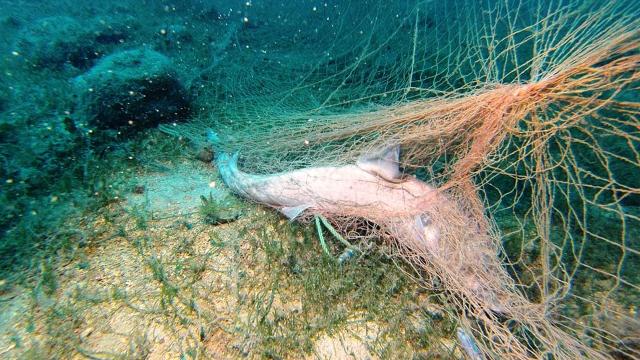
111,31
10,22
135,88
54,41
219,208
205,154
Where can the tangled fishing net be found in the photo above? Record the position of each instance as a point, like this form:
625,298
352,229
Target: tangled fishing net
523,114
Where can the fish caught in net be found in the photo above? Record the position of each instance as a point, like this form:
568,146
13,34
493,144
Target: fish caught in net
521,116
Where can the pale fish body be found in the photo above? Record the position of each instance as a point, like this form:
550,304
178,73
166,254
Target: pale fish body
371,189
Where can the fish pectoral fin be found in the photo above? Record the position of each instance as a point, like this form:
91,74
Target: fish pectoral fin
293,212
384,164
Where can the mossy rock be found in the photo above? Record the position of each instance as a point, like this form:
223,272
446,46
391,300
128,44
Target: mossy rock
54,41
219,209
131,89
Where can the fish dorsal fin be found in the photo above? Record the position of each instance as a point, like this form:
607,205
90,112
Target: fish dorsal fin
384,163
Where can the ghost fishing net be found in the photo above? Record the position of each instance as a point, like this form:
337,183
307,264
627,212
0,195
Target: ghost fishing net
524,115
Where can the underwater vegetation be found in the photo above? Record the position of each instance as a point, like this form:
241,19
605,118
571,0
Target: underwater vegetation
120,237
218,210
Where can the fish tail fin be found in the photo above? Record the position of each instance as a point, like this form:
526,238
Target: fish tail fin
227,161
227,166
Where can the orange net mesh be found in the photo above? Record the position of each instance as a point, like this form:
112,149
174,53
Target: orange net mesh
524,114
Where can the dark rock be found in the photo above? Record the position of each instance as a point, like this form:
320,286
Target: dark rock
10,22
205,154
131,89
54,41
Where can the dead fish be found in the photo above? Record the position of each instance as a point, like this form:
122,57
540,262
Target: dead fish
373,189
